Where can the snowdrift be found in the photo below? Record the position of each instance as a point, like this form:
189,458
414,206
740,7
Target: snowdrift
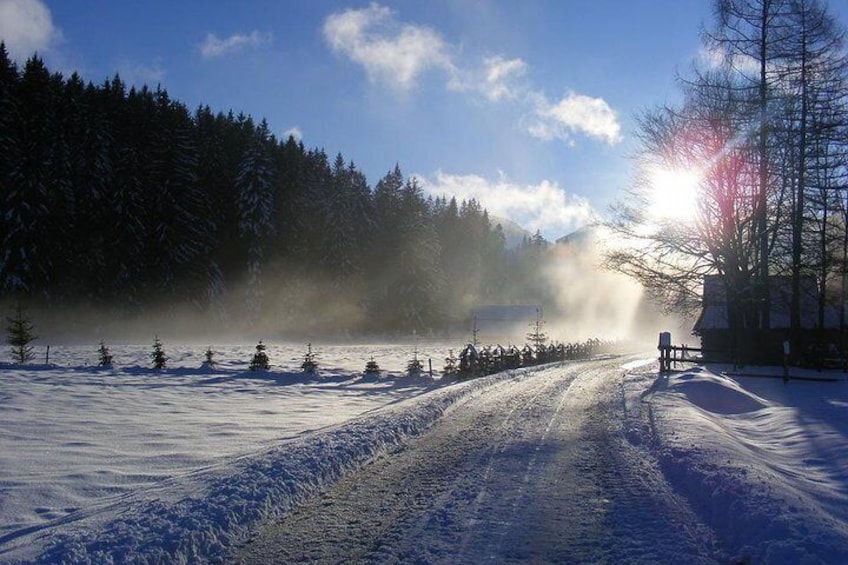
764,463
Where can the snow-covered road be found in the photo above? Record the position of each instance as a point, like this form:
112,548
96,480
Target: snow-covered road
531,469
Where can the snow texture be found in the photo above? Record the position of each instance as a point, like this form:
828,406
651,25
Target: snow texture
128,465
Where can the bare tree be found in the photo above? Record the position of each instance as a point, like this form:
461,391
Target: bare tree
763,122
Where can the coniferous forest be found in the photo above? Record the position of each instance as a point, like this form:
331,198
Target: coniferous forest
123,200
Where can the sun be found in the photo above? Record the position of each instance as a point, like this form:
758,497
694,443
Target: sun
672,194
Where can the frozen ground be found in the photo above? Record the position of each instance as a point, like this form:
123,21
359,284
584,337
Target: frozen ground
188,465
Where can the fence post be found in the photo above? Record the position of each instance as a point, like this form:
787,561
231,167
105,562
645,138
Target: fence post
664,346
787,350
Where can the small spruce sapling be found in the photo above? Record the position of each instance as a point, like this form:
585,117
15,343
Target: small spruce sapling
450,364
310,363
260,358
158,355
414,367
372,368
537,338
209,358
104,357
19,335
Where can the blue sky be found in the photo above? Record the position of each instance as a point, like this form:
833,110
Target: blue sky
526,105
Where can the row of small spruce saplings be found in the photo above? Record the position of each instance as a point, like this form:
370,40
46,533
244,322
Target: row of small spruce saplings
259,361
472,361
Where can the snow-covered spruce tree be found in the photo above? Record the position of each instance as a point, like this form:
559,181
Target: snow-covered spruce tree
260,358
104,357
158,355
19,335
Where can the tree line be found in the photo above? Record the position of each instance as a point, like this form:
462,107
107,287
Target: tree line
123,197
764,121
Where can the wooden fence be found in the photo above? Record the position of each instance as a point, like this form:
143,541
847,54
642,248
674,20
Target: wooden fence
672,355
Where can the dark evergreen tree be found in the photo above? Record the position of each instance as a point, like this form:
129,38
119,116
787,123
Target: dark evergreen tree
347,222
129,262
27,245
418,293
182,230
254,187
117,195
10,196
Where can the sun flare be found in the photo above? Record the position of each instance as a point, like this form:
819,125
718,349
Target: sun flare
673,193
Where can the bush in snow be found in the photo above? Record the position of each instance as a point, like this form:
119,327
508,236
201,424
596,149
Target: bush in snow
260,358
158,355
104,357
19,334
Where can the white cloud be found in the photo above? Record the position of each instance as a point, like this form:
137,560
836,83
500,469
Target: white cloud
574,113
496,79
390,52
294,132
26,26
213,46
397,53
543,206
501,76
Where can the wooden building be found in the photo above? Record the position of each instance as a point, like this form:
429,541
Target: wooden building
754,344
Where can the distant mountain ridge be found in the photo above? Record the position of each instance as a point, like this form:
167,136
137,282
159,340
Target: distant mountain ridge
513,232
581,236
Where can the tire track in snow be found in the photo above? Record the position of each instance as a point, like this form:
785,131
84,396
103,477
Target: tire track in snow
530,469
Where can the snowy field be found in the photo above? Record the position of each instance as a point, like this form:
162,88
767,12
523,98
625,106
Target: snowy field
133,465
79,443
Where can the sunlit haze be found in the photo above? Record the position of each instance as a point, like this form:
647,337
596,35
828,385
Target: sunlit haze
673,194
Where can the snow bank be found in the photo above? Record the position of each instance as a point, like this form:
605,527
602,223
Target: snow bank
202,517
715,394
764,463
